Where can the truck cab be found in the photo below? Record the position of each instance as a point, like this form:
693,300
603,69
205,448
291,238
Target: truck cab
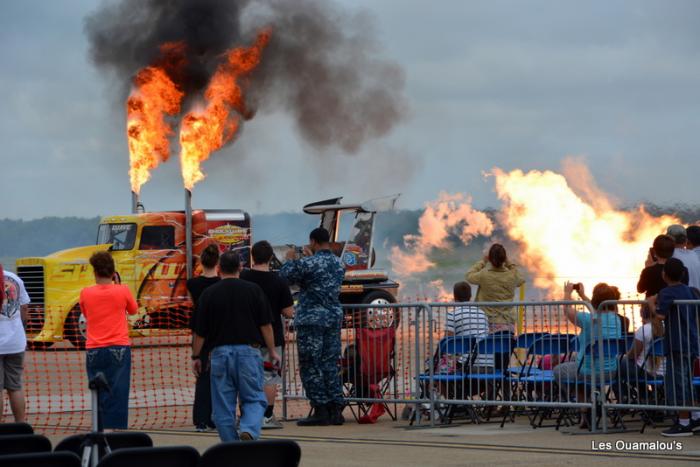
150,258
351,228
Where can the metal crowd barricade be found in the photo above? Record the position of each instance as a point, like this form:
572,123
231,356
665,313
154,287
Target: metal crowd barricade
651,379
383,348
486,365
565,365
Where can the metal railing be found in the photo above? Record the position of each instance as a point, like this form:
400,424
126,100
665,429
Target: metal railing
564,363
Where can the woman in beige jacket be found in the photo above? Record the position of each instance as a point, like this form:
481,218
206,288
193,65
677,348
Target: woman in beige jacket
497,280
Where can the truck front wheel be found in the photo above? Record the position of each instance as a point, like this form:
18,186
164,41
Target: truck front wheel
75,328
380,317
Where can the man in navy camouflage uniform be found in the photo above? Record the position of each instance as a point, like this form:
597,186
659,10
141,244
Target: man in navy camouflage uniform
317,322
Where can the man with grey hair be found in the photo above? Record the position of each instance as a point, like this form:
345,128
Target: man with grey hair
690,259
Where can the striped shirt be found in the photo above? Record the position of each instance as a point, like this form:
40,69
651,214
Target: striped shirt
469,321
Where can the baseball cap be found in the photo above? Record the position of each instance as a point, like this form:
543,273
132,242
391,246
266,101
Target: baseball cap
678,233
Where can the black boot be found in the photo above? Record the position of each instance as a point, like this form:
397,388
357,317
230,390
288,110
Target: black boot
320,417
335,412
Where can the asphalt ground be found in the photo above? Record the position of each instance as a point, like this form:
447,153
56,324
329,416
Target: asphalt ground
390,443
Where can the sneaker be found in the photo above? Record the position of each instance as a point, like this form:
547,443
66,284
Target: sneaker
201,428
678,430
245,436
271,423
695,426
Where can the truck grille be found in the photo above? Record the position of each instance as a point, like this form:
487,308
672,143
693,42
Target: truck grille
33,278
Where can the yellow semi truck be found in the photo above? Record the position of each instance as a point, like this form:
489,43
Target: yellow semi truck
149,250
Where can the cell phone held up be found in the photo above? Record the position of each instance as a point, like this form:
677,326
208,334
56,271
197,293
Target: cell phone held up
578,286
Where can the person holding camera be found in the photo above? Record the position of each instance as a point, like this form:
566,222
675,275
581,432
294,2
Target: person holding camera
569,375
497,279
318,321
650,280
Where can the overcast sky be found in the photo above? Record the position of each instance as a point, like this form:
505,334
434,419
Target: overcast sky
513,84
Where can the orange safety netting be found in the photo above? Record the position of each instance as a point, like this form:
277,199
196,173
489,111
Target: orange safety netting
162,383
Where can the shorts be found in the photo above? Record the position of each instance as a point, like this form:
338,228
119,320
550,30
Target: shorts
11,369
271,376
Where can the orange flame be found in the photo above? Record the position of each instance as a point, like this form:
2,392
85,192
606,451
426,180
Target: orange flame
154,96
449,215
207,130
571,231
566,228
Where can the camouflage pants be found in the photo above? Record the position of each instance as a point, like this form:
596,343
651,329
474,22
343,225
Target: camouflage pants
319,354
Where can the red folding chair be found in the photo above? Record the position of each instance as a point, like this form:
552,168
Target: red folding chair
368,372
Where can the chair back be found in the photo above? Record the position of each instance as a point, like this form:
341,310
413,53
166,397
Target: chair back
171,456
120,440
375,348
524,341
500,343
457,345
553,344
43,459
16,429
20,444
270,453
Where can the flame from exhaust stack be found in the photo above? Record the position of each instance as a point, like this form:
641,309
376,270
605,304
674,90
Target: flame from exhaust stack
205,131
153,97
571,231
450,215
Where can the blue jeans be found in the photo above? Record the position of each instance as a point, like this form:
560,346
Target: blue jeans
237,373
115,363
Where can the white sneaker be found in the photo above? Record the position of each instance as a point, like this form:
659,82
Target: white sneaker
271,423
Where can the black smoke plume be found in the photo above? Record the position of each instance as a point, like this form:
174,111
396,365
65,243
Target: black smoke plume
321,65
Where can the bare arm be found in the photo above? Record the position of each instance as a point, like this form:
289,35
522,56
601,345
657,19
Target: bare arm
288,312
269,339
635,350
569,310
24,313
197,344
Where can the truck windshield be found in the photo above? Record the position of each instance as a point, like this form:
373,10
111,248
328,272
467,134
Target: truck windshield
121,236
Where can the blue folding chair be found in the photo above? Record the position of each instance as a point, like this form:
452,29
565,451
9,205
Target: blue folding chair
498,345
525,341
452,345
530,382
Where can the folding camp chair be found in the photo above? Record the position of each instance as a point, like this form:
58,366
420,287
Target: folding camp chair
452,349
368,372
268,453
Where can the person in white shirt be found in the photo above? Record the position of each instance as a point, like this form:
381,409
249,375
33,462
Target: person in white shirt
693,233
468,321
690,258
13,343
638,366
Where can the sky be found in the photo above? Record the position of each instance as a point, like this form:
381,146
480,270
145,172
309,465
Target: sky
509,84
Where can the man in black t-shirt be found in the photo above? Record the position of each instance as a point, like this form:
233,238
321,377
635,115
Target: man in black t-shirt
650,280
201,409
282,304
234,318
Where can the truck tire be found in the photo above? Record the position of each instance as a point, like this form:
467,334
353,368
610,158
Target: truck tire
33,345
380,317
74,328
